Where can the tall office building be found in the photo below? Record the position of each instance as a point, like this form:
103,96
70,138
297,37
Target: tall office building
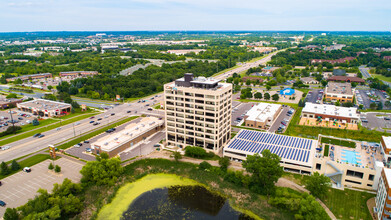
198,112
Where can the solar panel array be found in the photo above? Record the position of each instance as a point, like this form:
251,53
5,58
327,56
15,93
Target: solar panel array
286,147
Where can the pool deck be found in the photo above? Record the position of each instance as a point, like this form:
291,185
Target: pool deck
363,153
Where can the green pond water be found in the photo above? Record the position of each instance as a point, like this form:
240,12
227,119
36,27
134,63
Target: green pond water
166,196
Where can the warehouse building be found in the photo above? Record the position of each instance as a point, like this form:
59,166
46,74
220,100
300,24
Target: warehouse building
115,143
262,115
45,108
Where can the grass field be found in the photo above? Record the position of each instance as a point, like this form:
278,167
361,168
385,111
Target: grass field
293,105
94,133
338,142
381,77
28,162
348,204
50,124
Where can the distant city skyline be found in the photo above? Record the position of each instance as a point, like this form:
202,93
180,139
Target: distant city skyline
155,15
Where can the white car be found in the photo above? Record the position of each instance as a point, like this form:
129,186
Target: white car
27,169
76,145
6,147
77,123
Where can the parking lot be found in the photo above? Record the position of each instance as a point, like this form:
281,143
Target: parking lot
17,189
5,118
239,110
379,121
314,96
283,118
366,97
81,151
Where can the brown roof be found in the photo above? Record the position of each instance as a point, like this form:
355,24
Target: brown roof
346,79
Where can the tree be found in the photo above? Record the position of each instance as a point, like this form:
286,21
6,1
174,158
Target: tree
266,96
204,166
11,214
4,169
14,165
104,171
224,163
318,184
177,156
268,87
265,172
50,167
337,103
380,106
387,103
275,97
324,83
258,95
248,82
35,122
301,103
57,169
75,104
354,84
373,106
196,152
11,96
50,87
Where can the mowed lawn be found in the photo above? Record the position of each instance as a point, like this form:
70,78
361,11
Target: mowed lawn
381,77
348,204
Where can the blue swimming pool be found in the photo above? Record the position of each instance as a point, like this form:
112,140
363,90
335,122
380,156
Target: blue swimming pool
351,157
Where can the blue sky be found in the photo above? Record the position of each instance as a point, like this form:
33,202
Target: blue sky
133,15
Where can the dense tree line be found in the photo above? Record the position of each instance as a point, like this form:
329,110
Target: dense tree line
141,83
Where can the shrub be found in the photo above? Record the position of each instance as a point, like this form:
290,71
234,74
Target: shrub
196,152
50,167
57,169
204,165
14,165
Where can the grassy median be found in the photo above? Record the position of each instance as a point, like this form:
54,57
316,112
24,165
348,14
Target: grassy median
49,123
28,162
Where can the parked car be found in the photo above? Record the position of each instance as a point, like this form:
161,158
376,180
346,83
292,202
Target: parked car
5,147
112,114
92,122
92,117
156,145
128,111
88,149
86,141
77,123
41,136
27,169
20,118
99,119
2,203
96,123
149,109
76,145
36,135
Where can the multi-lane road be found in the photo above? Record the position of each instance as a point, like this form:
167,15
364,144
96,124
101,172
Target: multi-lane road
30,145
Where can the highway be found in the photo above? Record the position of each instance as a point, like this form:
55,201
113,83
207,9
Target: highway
364,72
30,145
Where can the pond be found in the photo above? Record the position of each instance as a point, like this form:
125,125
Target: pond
167,196
181,202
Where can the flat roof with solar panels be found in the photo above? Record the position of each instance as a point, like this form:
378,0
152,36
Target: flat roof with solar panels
294,151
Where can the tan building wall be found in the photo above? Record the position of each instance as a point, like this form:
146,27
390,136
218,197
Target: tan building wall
198,117
341,98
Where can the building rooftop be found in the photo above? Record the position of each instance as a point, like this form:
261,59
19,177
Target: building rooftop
43,104
387,141
331,110
262,112
308,79
199,82
131,131
289,149
339,88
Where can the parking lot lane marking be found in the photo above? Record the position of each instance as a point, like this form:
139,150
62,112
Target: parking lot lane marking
6,196
40,181
44,179
28,185
34,183
14,194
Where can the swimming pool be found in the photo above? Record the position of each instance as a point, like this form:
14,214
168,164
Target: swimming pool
351,157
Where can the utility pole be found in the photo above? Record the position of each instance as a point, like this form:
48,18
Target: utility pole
74,133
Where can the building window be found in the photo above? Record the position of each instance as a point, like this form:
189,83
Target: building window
371,177
370,185
355,182
318,166
354,174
